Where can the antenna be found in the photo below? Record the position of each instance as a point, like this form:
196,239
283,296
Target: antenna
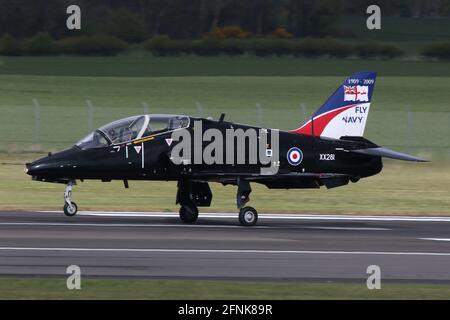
222,116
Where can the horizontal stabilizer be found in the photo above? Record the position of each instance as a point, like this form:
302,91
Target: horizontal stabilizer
387,153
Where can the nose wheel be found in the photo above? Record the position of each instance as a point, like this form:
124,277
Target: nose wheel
70,210
70,207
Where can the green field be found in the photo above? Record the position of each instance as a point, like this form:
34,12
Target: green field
141,64
410,112
55,288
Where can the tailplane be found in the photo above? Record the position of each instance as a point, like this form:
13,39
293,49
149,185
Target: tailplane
387,153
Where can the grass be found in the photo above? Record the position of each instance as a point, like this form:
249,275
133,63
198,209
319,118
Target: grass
55,288
402,188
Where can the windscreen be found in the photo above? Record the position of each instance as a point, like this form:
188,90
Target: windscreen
123,130
93,140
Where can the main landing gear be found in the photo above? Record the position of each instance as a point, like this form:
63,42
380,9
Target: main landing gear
70,207
188,213
192,195
248,216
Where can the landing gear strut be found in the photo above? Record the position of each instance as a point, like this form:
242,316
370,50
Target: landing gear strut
70,207
248,216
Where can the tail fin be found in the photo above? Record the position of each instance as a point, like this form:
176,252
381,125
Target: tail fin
346,110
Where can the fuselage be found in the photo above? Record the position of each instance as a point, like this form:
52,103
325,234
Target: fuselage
149,158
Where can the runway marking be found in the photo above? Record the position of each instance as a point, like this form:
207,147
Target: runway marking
77,224
349,228
436,239
263,216
69,224
228,251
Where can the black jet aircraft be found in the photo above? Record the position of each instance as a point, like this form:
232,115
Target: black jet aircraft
328,150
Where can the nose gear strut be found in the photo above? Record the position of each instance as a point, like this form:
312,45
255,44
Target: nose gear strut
70,207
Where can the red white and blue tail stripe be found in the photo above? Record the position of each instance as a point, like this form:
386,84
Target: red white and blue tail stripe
346,110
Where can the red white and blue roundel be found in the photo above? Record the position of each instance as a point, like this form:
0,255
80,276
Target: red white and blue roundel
294,156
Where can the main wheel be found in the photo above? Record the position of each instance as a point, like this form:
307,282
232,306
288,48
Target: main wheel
188,214
70,211
248,216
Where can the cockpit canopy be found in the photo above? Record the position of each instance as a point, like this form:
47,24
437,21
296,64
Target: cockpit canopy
132,128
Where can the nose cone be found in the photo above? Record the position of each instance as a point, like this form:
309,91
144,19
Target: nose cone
53,167
35,168
27,166
41,167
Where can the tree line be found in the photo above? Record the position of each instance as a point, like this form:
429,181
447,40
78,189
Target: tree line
137,20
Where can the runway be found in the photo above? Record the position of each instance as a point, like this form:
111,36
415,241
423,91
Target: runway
280,247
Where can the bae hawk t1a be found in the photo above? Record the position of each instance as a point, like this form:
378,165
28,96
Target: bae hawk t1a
328,150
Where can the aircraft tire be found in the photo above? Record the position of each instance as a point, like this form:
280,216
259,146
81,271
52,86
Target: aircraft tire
248,216
70,212
188,214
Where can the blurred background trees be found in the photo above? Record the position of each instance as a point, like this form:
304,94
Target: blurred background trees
135,20
313,28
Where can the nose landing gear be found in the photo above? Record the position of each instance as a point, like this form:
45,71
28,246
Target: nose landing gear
70,207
